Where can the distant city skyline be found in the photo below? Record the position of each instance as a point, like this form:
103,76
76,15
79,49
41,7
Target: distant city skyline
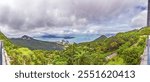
38,17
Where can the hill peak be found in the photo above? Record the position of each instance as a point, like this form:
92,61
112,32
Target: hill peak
102,37
26,37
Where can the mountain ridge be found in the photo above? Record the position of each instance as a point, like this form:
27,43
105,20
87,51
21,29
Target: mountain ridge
33,44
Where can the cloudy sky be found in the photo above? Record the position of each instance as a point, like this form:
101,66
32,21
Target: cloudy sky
38,17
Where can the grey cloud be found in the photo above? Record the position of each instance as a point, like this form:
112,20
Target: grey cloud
28,15
99,10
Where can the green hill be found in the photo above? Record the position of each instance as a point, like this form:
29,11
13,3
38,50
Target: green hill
103,37
33,44
7,43
128,46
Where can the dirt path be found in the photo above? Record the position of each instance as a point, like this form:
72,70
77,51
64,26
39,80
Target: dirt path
111,56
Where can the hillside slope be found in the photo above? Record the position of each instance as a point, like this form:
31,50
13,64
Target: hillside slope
33,44
7,42
128,46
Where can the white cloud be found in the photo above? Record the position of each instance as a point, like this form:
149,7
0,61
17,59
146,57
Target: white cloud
36,17
140,20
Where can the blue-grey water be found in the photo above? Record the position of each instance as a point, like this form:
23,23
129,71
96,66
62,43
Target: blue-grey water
76,39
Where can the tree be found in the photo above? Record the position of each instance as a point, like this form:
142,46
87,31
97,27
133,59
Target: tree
131,55
116,61
113,45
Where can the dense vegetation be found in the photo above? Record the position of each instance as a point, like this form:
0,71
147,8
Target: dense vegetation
128,46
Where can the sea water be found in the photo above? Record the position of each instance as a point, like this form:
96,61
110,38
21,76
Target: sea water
76,39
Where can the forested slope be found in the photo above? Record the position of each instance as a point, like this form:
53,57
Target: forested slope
129,46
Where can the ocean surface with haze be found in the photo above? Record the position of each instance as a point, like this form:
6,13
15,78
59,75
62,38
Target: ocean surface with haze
77,38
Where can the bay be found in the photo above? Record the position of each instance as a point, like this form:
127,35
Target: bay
77,38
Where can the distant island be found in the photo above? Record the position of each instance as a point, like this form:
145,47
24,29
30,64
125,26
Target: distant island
57,36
